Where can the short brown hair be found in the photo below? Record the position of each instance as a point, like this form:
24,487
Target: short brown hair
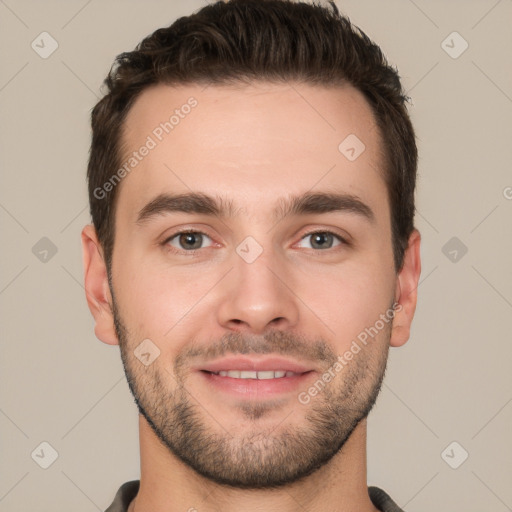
241,41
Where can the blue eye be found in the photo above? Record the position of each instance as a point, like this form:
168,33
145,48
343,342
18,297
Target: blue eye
187,240
323,240
191,241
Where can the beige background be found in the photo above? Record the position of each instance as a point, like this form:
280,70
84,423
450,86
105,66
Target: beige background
451,382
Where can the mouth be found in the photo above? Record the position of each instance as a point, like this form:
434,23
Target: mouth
256,385
255,378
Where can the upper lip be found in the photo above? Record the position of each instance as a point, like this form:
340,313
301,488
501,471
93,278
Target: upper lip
258,365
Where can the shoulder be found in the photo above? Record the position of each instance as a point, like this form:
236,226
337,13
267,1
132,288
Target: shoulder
124,496
382,500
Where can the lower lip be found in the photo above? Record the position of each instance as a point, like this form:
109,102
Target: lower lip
256,388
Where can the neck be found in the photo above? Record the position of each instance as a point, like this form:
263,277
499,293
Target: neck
168,485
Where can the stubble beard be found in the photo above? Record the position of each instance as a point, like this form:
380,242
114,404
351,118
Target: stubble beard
263,457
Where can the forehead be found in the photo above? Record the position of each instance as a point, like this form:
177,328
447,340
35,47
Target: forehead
253,142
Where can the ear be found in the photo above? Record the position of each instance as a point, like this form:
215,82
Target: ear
406,291
97,291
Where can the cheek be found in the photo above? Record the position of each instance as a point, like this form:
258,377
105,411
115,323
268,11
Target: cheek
158,301
349,298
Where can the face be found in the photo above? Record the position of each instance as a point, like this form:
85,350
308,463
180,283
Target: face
248,239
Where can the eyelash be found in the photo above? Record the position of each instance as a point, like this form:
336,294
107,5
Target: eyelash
165,243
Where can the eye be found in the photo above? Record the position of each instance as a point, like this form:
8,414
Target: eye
323,240
187,240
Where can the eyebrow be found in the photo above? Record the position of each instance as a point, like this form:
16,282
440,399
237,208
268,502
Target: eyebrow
307,203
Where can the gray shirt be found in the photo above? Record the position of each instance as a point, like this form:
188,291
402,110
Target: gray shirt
129,490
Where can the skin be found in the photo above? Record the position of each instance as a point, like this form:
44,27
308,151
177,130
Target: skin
254,145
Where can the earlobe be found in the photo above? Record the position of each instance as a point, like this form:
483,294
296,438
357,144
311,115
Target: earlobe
406,291
97,289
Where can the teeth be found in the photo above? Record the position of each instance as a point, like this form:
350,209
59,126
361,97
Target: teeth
263,375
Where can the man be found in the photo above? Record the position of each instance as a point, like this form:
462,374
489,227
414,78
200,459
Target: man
251,179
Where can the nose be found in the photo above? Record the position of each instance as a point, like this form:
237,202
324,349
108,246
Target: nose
258,296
